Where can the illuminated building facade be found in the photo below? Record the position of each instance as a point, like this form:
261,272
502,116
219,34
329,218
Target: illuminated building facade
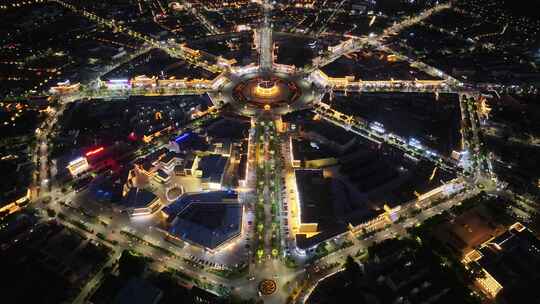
507,260
78,166
14,206
211,220
65,88
139,202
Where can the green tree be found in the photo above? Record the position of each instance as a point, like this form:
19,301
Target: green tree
352,269
321,249
131,264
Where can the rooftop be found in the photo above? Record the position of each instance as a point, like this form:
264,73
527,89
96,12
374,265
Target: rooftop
308,150
162,174
169,156
138,198
208,224
326,202
468,231
329,131
212,167
512,257
229,128
206,197
191,141
315,195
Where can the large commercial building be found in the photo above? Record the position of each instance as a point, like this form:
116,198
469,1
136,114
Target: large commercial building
325,210
207,219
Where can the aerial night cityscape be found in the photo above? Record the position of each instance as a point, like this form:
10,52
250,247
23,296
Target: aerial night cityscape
270,151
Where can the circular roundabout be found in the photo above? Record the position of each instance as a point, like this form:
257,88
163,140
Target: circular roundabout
251,92
267,287
271,91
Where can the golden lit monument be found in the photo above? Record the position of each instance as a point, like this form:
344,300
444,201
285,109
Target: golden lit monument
266,89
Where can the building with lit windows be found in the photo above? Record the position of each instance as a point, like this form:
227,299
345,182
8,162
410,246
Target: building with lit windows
139,202
13,201
509,262
148,165
161,176
78,166
65,88
212,169
170,160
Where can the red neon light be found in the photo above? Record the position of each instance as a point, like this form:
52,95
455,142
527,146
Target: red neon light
96,151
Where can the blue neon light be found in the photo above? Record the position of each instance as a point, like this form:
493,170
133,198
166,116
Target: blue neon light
182,137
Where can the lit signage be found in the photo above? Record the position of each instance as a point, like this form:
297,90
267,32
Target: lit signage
76,161
77,166
182,137
118,81
94,152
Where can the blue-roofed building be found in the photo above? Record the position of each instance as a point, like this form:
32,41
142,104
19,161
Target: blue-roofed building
208,219
139,201
189,141
212,168
183,201
208,225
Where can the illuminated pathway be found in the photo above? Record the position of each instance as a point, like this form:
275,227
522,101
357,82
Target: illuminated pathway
407,22
348,46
